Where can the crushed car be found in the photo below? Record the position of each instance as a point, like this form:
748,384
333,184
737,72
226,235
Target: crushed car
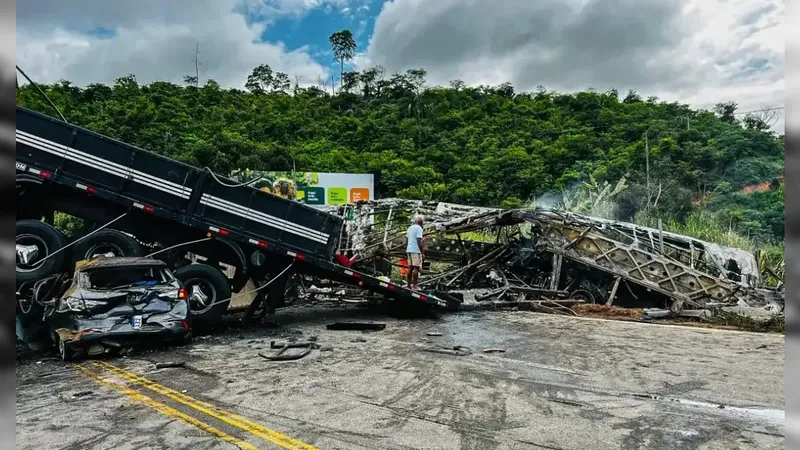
114,303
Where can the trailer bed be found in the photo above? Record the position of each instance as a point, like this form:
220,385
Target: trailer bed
72,157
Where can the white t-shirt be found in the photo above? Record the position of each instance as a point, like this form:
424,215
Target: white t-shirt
414,233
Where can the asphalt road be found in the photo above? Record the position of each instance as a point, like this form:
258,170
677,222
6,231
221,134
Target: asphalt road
562,383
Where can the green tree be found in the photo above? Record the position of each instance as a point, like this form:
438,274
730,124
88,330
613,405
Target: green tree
281,82
260,79
726,111
344,48
350,81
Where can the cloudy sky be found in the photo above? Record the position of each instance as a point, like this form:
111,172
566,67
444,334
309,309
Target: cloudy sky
696,51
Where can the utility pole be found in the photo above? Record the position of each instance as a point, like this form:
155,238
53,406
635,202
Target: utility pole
197,63
297,79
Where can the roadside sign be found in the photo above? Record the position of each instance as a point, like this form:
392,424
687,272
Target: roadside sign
312,188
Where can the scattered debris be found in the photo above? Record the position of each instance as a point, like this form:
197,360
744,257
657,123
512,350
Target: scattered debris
167,365
656,313
703,314
356,326
82,394
567,402
282,347
458,350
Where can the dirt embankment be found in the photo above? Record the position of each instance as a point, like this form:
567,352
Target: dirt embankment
608,312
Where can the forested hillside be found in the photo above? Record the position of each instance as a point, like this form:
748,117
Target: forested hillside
474,145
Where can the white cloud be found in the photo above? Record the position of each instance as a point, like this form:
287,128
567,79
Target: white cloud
696,51
270,9
154,40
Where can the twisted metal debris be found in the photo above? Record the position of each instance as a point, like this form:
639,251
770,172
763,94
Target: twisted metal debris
550,256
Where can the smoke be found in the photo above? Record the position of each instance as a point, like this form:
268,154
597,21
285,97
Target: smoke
550,200
589,198
554,200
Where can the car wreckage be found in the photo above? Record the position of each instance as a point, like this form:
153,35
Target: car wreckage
111,303
546,255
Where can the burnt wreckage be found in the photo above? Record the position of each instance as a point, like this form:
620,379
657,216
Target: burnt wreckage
542,254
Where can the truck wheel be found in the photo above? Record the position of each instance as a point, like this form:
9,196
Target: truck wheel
107,242
582,294
209,292
35,241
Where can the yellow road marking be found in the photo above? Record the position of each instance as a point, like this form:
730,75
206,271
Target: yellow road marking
167,410
230,418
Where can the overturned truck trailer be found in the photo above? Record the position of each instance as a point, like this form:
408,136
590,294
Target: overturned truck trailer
561,253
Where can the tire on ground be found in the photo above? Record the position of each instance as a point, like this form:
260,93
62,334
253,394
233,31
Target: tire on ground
47,239
214,284
117,242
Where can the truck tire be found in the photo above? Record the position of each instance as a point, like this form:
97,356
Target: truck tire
209,292
107,241
36,240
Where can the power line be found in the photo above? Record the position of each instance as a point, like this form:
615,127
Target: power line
41,92
760,110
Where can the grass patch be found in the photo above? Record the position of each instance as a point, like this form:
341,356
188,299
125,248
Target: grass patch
775,324
700,225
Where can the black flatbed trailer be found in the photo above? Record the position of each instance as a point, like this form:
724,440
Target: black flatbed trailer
87,174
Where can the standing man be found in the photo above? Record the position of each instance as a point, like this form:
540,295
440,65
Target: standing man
414,249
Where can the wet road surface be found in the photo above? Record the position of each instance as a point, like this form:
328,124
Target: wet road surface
561,383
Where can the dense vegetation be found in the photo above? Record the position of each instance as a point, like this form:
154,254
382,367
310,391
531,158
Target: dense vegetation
486,145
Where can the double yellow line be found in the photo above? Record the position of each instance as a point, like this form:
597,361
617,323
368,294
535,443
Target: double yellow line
209,410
